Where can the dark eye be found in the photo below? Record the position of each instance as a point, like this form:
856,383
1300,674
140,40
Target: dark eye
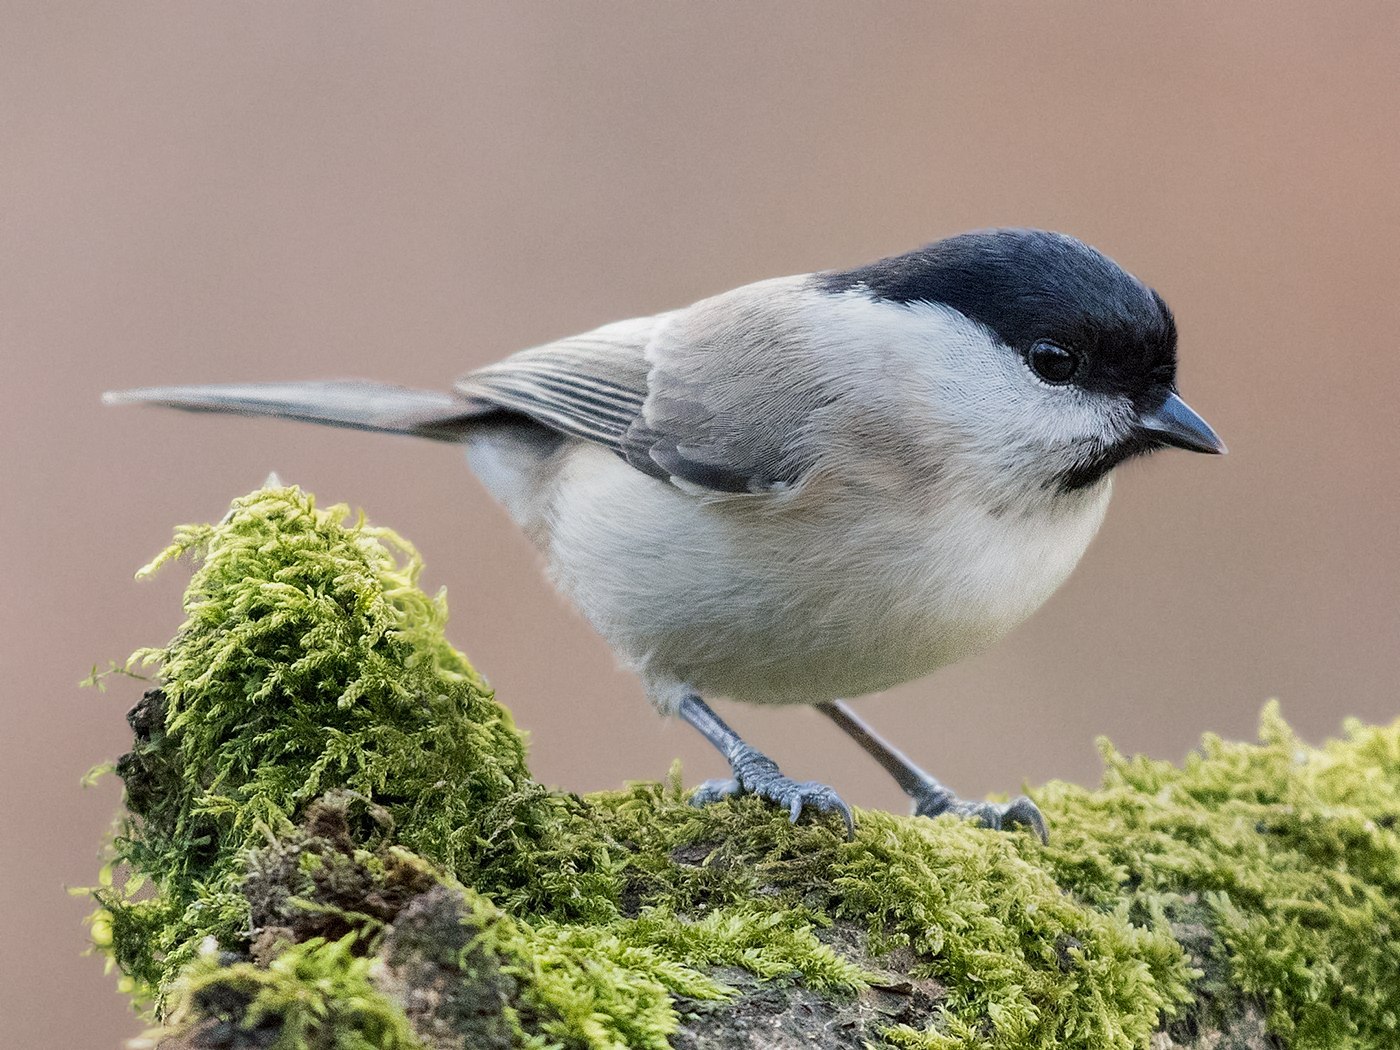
1052,363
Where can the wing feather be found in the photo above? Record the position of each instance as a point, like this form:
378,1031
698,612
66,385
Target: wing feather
733,389
590,386
718,395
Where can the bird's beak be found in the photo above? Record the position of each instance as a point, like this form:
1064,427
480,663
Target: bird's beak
1174,423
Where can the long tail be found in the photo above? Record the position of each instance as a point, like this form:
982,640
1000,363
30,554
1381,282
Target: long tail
354,403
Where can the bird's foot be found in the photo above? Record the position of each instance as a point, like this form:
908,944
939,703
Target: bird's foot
757,774
936,800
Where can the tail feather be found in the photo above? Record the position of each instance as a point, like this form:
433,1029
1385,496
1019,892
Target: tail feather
353,403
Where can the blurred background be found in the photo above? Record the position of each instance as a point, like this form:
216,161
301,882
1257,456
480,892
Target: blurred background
191,193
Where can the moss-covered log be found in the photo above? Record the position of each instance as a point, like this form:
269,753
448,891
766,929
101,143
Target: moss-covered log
334,841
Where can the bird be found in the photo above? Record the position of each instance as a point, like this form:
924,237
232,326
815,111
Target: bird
815,487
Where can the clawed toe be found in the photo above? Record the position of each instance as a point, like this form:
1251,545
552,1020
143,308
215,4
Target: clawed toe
1020,811
714,791
808,794
796,797
999,816
755,773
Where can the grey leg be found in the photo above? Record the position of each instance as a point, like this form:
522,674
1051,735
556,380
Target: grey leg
755,773
930,797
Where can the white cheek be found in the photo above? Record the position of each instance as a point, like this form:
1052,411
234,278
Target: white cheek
1064,417
987,393
946,382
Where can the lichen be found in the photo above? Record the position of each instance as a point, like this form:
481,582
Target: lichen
334,841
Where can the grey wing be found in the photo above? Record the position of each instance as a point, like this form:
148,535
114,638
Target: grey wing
717,395
733,391
590,386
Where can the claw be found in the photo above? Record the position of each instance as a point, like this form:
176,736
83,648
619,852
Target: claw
759,776
714,791
1026,813
846,817
999,816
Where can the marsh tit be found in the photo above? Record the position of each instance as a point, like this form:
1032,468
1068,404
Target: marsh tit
813,487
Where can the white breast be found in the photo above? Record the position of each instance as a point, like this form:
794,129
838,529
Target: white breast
804,599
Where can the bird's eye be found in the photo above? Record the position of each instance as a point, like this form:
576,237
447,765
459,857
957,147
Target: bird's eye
1053,363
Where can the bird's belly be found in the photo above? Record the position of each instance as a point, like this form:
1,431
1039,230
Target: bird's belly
873,623
766,602
733,598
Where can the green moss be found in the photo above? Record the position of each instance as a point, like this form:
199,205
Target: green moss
1048,971
315,994
310,660
1289,853
312,667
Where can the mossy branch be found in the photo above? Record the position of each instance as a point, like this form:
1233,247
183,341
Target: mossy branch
334,841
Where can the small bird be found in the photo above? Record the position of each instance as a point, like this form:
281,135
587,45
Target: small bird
814,487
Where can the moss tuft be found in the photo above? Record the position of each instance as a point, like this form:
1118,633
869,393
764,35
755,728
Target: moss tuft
334,840
316,994
1288,855
1050,971
310,660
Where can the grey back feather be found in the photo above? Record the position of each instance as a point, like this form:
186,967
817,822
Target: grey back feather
716,395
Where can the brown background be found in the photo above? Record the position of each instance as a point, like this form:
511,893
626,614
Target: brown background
255,191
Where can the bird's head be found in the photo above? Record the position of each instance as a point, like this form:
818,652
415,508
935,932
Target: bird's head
1033,353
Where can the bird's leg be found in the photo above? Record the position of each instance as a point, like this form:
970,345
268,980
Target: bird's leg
930,797
755,773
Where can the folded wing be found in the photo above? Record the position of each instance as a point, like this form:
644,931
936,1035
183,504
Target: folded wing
590,386
719,395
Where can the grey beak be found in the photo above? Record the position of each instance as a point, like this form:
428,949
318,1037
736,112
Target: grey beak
1174,423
